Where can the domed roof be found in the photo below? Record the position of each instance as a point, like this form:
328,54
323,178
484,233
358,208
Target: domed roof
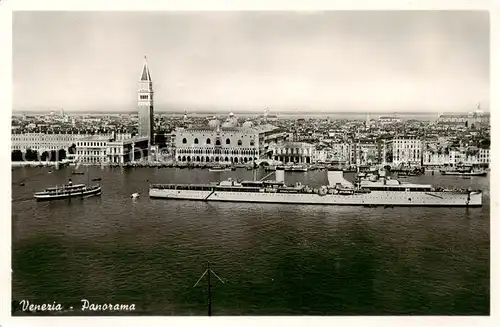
214,123
247,124
230,122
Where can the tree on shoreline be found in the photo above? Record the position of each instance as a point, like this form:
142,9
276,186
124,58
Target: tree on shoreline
72,149
61,154
485,143
17,155
31,155
44,156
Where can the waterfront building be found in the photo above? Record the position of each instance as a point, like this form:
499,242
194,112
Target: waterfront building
407,151
450,158
92,149
168,141
269,135
293,152
109,149
145,104
47,142
456,157
340,153
484,156
364,153
225,142
371,153
42,141
321,155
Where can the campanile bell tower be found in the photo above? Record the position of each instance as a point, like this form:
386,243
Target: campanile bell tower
145,104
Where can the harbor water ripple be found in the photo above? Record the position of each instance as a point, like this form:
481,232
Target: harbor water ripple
274,259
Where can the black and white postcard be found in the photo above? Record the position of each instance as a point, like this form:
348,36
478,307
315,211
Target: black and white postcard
257,161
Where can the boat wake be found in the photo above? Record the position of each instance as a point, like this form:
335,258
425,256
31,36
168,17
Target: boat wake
21,200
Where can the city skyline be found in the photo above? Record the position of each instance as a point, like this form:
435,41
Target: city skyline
377,62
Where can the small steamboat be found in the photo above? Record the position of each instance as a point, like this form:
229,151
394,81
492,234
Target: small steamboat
297,168
68,191
465,172
219,168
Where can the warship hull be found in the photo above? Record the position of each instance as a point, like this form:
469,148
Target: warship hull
374,198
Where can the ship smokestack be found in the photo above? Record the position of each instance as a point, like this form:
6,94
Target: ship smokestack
337,177
280,174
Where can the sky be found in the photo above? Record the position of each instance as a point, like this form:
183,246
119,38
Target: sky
332,61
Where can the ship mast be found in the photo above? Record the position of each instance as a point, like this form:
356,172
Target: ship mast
358,152
384,162
271,173
209,271
424,148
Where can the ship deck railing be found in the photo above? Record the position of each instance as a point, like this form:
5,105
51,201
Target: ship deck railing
302,189
67,186
230,188
397,188
62,190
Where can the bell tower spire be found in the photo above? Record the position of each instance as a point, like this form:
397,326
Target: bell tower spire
145,76
145,103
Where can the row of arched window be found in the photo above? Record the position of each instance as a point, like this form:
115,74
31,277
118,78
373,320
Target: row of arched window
304,151
217,142
215,159
287,159
218,151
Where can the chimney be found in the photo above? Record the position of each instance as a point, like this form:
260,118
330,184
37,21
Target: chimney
337,177
280,174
